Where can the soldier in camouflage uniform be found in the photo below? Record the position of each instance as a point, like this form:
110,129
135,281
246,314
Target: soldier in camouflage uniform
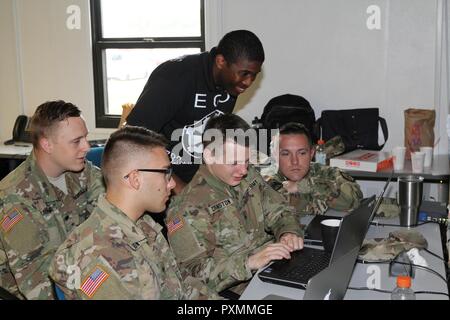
311,188
226,223
42,200
120,253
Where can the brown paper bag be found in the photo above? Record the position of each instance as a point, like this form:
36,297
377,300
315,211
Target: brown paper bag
419,129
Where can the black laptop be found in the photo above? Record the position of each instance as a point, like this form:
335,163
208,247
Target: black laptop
306,263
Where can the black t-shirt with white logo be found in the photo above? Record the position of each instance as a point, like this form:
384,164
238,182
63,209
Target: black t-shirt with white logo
177,101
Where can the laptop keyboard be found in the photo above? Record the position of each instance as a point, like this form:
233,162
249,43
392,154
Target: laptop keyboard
308,269
303,265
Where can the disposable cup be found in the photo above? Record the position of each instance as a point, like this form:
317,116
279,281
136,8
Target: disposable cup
399,157
428,156
329,228
417,161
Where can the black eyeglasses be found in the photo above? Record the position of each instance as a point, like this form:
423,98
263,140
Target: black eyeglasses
168,172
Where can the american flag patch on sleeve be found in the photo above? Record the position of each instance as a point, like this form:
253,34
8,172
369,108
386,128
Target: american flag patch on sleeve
94,281
10,219
174,224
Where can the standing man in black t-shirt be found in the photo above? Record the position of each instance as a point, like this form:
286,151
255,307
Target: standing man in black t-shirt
182,94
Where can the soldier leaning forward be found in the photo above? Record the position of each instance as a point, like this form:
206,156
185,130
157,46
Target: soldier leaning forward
214,228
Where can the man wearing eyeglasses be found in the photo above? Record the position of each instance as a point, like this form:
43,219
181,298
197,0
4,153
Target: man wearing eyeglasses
227,223
120,253
310,187
41,201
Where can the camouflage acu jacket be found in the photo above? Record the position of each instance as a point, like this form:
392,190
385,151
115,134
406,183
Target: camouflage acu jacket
213,228
35,218
323,187
111,257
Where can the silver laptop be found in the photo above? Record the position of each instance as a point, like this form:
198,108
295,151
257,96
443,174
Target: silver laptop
332,282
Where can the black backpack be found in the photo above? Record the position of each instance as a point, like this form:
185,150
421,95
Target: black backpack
289,108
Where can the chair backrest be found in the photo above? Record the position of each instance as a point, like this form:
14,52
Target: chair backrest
95,155
126,109
59,293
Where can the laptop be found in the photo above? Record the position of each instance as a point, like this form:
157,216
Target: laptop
306,263
331,283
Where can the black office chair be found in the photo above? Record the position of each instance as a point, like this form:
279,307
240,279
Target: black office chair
6,295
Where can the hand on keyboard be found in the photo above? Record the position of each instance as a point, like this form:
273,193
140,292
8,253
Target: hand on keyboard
274,251
293,241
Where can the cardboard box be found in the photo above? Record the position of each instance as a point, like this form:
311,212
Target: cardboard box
363,160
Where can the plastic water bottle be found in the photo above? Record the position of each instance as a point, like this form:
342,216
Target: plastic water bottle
321,156
403,290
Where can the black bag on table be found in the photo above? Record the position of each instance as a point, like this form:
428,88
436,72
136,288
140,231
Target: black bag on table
289,108
357,127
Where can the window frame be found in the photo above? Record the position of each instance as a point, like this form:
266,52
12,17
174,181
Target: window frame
100,44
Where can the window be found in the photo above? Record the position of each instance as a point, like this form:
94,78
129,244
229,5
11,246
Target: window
130,39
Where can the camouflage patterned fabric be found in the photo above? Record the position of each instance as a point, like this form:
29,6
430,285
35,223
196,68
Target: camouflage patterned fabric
35,219
387,249
388,208
334,147
213,228
134,258
323,187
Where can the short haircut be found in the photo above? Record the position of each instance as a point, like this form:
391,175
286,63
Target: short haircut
226,124
296,128
241,44
49,114
125,144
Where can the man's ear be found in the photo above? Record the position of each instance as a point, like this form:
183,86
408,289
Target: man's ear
208,155
220,61
133,180
46,144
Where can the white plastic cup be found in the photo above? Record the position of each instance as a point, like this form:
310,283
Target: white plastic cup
417,161
399,157
428,156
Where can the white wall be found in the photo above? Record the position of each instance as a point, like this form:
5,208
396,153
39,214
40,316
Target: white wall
320,49
9,92
53,62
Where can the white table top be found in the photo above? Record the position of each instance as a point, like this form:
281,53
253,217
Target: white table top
367,274
20,150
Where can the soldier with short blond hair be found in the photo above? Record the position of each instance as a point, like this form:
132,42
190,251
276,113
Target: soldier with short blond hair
41,201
